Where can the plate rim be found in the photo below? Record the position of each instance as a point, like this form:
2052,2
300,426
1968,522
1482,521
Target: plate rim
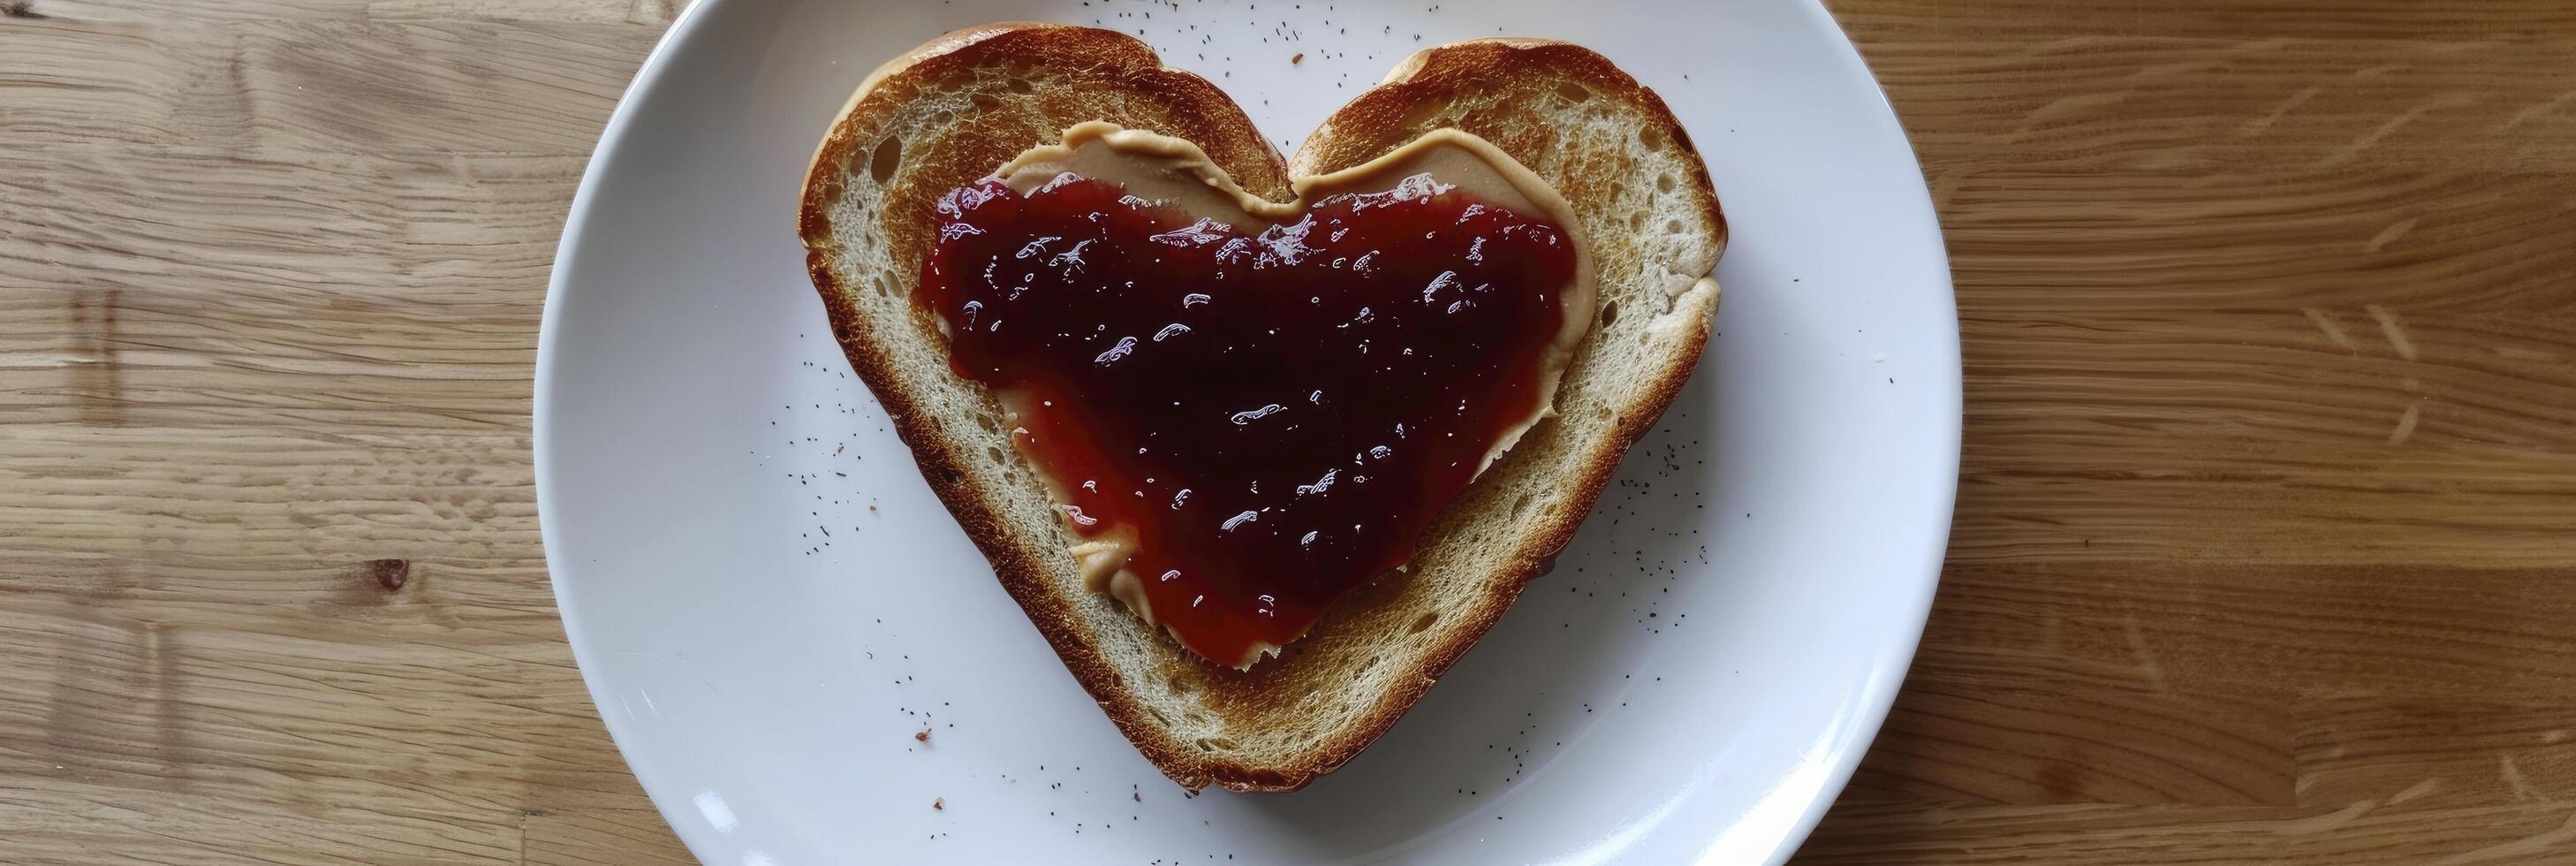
1888,676
612,137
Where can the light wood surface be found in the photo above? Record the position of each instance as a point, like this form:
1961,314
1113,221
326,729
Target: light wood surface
2266,542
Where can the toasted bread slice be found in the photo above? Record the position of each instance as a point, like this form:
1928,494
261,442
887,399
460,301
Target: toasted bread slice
951,112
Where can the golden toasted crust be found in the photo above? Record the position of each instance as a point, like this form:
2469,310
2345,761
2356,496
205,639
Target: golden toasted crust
1190,108
1026,558
1503,70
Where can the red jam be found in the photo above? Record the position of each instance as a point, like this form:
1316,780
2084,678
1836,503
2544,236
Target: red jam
1276,416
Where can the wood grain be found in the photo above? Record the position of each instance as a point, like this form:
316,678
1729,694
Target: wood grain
269,277
2263,550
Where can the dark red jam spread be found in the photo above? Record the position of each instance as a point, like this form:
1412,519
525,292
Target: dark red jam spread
1277,416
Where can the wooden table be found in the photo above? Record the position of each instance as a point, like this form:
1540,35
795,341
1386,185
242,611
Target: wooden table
2266,542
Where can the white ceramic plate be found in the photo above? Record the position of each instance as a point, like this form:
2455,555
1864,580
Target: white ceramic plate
768,603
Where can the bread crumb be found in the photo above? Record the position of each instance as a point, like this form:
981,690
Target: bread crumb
939,803
922,737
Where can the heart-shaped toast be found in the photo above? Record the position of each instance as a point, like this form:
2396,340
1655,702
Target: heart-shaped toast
1103,351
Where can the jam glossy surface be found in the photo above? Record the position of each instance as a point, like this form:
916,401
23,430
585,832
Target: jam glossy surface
1276,415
